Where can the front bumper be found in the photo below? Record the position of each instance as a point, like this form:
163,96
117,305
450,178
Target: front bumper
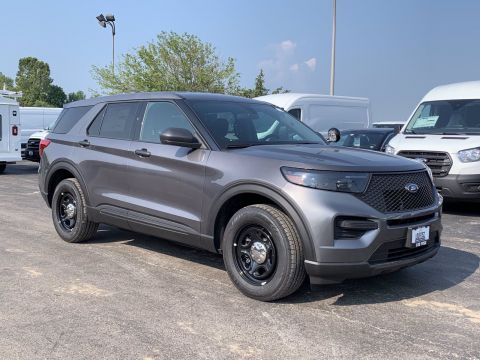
459,187
32,154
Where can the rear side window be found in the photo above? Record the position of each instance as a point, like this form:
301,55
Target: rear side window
115,121
68,118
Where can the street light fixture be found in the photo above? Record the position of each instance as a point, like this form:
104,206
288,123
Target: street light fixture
110,20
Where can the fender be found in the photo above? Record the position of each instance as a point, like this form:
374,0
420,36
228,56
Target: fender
65,164
282,200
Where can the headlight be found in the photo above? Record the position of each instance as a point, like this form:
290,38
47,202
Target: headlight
327,180
469,155
390,150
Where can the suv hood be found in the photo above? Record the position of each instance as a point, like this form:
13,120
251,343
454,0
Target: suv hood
450,143
336,158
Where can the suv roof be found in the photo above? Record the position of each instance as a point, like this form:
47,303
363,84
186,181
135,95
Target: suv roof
157,95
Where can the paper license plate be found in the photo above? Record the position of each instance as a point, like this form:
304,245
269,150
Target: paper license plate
419,236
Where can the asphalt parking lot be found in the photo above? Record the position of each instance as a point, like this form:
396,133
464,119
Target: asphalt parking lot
125,295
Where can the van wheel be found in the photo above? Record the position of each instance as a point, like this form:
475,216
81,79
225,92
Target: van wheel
2,168
263,253
69,212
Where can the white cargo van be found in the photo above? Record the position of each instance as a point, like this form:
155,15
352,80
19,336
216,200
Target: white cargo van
322,112
444,133
34,119
10,150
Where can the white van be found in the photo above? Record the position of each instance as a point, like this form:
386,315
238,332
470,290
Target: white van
10,149
444,132
322,112
35,119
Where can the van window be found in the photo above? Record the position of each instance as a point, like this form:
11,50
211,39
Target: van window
159,116
68,118
118,121
297,113
446,117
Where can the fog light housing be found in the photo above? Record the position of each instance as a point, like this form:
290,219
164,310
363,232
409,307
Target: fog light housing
352,227
471,187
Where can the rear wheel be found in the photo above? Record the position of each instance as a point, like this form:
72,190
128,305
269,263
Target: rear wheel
263,253
2,167
69,212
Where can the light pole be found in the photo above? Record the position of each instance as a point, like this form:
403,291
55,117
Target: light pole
110,20
332,64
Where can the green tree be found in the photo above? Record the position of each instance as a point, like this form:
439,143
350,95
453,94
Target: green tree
280,90
260,88
33,79
180,62
75,96
56,96
6,81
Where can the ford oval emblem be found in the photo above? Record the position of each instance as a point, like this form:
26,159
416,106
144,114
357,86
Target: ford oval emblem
411,188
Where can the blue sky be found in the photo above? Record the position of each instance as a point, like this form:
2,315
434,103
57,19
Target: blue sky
391,51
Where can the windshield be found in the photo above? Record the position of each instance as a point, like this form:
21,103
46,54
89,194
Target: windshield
446,117
372,141
236,124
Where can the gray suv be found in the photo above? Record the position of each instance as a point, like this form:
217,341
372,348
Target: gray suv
242,178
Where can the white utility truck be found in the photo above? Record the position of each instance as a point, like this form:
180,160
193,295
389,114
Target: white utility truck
322,112
10,148
444,133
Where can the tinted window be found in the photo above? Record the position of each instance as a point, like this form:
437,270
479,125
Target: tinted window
68,118
118,121
94,128
296,113
159,116
366,140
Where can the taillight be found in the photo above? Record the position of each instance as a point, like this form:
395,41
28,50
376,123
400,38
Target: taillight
14,130
43,145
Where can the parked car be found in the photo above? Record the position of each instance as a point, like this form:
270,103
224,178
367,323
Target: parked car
397,125
10,150
444,133
322,112
32,150
242,178
35,119
370,139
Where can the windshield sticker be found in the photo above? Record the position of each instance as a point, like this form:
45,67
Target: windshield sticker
428,121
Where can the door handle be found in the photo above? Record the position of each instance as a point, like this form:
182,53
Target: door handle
84,143
142,152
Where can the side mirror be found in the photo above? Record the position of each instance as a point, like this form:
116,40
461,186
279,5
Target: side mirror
333,135
179,137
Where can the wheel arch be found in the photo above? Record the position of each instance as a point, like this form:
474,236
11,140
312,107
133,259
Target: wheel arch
59,171
249,194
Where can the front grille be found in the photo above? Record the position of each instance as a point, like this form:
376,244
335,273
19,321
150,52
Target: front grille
439,162
396,250
387,192
33,143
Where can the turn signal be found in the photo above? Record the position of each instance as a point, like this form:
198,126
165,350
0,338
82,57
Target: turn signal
43,145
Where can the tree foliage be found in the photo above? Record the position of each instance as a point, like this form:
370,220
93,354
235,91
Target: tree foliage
56,96
180,62
33,79
75,96
6,81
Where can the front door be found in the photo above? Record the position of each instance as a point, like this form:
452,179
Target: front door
167,181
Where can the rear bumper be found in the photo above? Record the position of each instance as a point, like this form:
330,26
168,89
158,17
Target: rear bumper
459,186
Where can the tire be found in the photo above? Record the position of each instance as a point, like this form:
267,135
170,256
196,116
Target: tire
2,168
266,225
72,226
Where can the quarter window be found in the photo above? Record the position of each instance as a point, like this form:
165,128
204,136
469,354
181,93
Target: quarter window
296,113
159,116
68,118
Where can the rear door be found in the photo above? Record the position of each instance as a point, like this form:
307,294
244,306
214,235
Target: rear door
4,129
167,184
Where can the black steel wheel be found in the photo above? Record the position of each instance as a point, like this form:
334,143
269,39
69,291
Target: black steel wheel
263,253
69,212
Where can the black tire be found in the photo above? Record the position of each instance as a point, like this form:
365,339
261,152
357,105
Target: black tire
289,272
78,228
2,168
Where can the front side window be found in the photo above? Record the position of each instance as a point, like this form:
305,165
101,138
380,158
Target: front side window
116,121
160,116
446,117
237,124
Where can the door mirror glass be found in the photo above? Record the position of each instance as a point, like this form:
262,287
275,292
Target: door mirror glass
333,135
179,137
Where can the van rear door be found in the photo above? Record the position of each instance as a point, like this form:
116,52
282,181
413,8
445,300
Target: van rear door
4,129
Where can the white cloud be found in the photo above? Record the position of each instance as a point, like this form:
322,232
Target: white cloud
287,46
311,63
294,67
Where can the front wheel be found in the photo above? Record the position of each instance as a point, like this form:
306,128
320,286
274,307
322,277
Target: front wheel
263,253
69,212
